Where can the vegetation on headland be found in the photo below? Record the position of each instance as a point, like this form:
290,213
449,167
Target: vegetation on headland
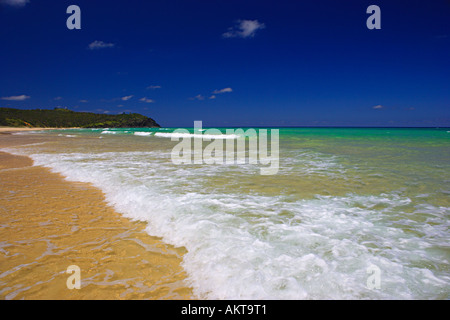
64,118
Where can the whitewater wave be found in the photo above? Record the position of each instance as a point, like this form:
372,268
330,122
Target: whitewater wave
195,135
250,246
143,134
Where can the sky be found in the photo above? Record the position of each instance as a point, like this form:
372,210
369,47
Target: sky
231,62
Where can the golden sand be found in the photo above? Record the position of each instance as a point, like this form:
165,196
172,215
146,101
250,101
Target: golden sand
14,129
48,224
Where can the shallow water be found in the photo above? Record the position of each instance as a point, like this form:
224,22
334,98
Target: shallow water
343,200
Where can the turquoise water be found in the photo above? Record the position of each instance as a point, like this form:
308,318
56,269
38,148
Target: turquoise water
343,202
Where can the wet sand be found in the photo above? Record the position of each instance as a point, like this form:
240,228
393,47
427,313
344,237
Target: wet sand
48,224
7,130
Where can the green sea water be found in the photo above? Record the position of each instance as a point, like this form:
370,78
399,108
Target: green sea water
342,201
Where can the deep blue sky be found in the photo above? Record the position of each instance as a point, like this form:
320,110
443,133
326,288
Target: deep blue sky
306,63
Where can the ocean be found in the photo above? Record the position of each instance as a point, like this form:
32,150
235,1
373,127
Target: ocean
350,213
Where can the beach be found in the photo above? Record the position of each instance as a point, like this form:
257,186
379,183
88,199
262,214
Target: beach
221,151
351,213
48,224
14,129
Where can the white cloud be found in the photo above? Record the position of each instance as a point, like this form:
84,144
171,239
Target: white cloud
15,3
100,45
145,99
127,98
198,97
16,98
212,97
378,107
244,29
154,87
224,90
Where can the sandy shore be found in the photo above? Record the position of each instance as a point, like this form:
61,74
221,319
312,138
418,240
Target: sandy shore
14,129
48,224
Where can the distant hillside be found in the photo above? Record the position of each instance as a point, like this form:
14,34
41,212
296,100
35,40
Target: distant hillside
63,118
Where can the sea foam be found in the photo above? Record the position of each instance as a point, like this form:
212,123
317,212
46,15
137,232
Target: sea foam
195,135
144,134
250,246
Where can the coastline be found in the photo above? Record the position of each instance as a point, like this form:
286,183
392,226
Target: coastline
6,130
48,223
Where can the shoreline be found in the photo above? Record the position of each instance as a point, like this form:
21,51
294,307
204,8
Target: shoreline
20,129
48,223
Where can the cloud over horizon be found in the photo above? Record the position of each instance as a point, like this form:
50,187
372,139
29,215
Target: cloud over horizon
15,3
16,98
197,97
154,87
244,29
100,45
126,98
145,99
224,90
